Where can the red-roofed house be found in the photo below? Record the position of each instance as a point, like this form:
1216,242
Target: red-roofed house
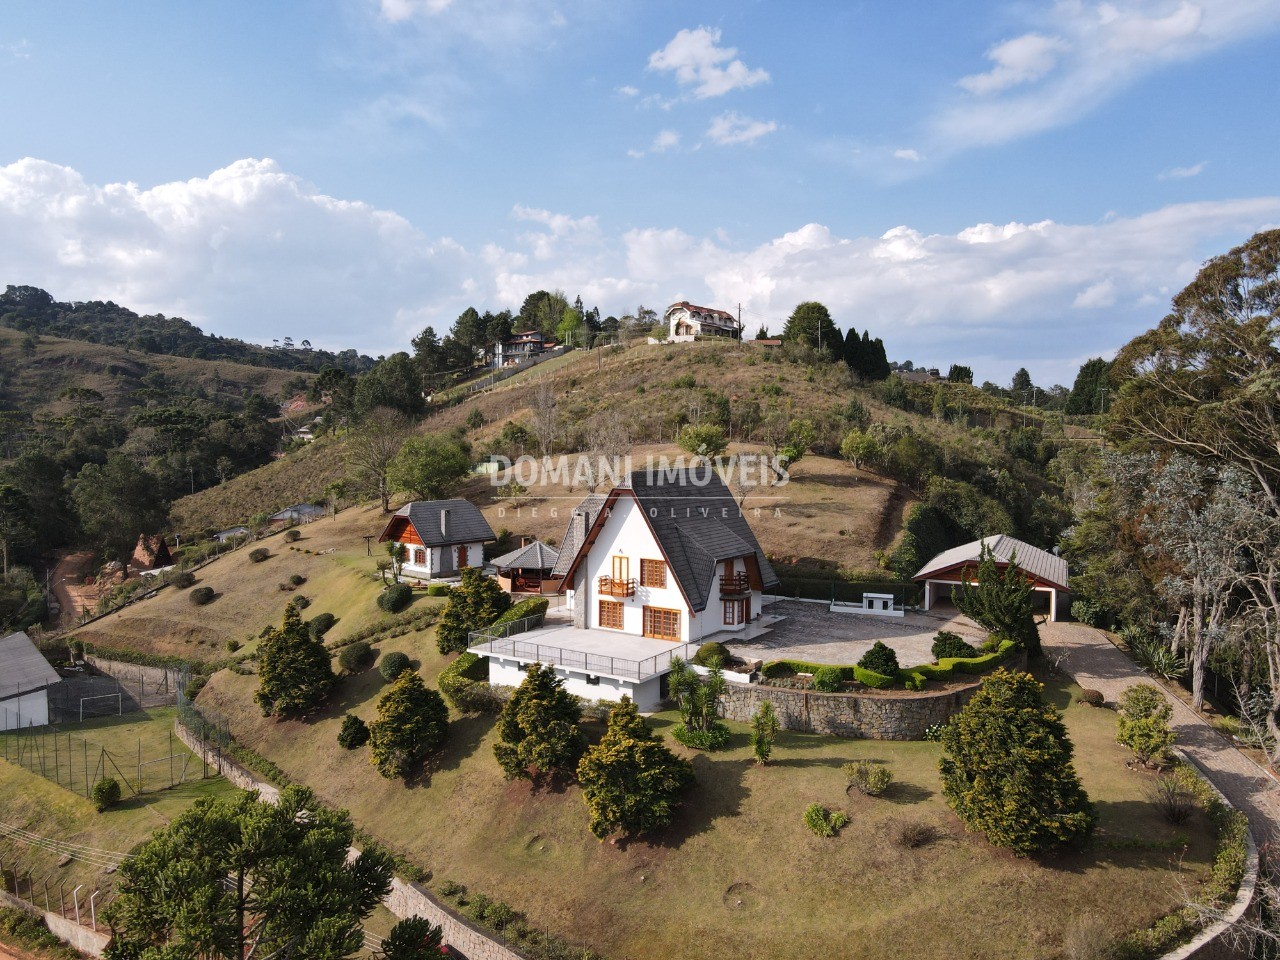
686,322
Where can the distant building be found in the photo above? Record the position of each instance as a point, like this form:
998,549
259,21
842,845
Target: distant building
151,553
298,513
231,533
687,321
440,537
521,346
25,679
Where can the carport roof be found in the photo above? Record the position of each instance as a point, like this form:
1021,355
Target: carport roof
1041,564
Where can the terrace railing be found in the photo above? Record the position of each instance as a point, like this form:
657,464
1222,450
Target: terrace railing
609,587
735,585
593,663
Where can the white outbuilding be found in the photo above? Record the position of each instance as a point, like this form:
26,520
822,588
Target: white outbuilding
25,679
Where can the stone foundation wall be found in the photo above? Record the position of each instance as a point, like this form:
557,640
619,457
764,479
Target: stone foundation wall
860,716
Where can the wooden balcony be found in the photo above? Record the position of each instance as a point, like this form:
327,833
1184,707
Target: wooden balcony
737,585
609,587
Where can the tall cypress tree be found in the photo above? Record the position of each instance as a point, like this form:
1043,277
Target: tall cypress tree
294,670
853,351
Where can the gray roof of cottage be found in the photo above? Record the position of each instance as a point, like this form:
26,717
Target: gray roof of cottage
466,524
297,512
1039,563
532,556
22,667
697,523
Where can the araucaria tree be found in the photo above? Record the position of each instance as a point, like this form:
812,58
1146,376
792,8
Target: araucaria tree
630,781
412,723
414,938
1007,768
474,603
294,670
239,877
538,733
1001,601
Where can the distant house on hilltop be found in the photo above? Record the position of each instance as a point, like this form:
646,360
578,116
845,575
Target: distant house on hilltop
520,347
151,553
298,513
687,321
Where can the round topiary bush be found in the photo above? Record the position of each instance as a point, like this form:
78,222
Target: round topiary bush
320,624
106,793
395,598
880,659
297,580
1093,698
827,679
301,602
868,777
392,665
438,590
258,554
182,579
355,656
292,536
201,595
232,645
354,733
710,651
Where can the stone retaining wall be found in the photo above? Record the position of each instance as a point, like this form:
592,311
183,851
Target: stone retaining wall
149,679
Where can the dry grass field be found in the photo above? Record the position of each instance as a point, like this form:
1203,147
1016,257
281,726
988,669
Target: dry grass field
739,874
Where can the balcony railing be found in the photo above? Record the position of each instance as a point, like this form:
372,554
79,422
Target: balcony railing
594,663
609,587
735,585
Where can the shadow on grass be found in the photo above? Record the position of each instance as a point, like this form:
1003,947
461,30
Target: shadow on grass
717,793
904,794
465,735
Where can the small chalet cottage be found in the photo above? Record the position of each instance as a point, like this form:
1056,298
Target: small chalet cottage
440,537
651,570
685,322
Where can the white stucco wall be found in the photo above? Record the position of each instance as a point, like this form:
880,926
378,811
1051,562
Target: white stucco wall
506,672
27,710
441,561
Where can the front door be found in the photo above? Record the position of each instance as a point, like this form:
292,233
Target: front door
661,624
621,569
462,557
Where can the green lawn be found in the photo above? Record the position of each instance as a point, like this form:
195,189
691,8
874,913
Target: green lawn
739,874
39,805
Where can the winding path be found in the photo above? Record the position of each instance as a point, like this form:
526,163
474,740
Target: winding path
1097,664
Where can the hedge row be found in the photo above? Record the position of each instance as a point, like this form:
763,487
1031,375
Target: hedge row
465,684
531,607
942,670
416,619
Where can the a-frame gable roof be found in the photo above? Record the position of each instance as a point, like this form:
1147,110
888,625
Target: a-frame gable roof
465,524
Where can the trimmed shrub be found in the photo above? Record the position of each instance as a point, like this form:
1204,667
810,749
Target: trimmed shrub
201,595
292,536
392,665
395,597
355,656
354,733
297,580
880,659
828,679
182,579
232,644
1093,698
437,590
320,624
301,602
711,651
948,644
1086,612
258,554
823,822
1144,722
106,794
870,678
912,681
465,685
715,738
870,778
531,607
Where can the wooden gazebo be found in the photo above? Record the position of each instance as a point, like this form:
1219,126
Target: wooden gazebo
527,569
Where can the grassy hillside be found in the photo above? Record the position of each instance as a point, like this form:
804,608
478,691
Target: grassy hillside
34,378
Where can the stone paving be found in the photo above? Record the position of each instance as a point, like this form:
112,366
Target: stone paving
814,633
1096,663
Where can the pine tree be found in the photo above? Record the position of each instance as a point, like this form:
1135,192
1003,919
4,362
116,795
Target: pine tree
630,781
294,670
538,731
1007,768
853,353
473,604
811,323
1001,601
412,723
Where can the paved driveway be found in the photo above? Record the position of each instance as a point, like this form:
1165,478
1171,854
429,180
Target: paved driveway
1096,664
812,632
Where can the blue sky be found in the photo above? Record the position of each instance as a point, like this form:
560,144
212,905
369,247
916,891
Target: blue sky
993,183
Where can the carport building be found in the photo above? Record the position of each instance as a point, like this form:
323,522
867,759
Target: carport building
1046,571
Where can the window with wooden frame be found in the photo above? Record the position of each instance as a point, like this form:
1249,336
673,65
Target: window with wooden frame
653,573
661,624
610,615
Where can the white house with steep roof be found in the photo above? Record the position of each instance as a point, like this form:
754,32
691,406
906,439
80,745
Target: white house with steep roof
440,537
25,679
687,321
651,570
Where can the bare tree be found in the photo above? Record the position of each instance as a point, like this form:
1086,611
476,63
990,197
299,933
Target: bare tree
373,445
546,415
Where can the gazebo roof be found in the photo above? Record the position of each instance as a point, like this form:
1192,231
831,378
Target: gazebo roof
1038,563
533,556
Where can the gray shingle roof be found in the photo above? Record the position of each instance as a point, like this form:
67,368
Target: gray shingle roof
1039,563
589,508
533,556
697,523
466,524
22,667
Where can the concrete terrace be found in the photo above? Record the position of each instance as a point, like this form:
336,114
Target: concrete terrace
603,652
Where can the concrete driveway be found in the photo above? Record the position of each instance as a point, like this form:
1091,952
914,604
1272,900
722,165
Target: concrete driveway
813,633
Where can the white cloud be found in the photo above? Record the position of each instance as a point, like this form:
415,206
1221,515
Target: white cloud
1184,173
1080,54
397,10
629,91
733,128
699,62
664,141
255,252
908,154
